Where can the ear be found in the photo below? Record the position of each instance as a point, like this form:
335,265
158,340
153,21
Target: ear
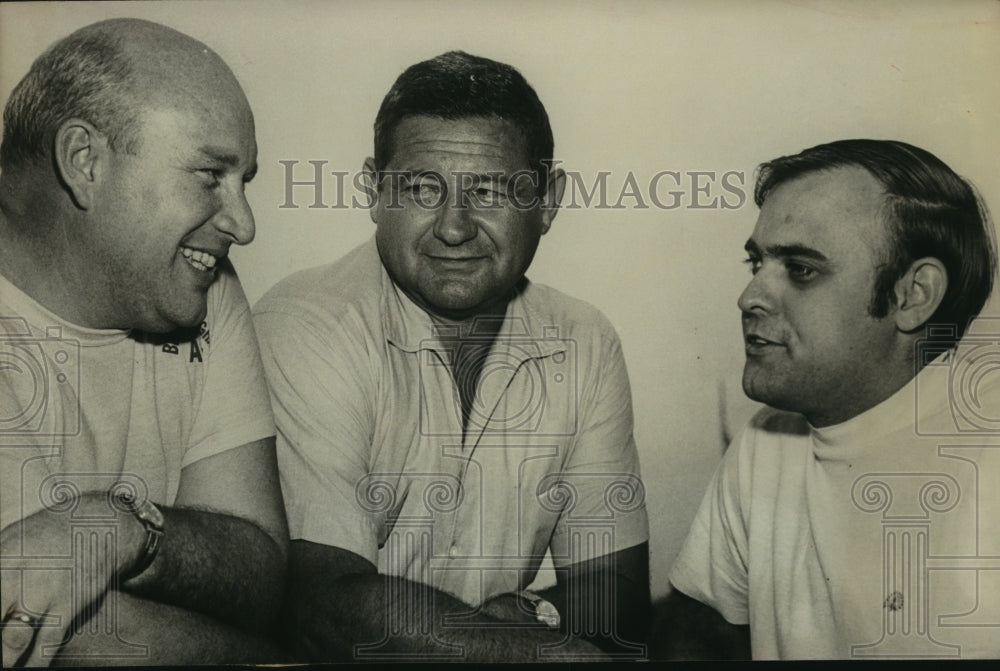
371,187
919,292
80,150
553,196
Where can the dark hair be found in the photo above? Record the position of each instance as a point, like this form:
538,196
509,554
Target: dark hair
84,75
457,85
929,212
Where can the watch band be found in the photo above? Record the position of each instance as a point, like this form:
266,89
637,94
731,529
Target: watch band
152,521
545,611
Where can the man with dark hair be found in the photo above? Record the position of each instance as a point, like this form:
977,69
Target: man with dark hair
456,85
442,421
876,461
141,513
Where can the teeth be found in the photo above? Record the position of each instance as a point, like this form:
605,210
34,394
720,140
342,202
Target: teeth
199,259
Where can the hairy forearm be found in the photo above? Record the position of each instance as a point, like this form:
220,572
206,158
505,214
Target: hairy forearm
372,617
216,564
146,632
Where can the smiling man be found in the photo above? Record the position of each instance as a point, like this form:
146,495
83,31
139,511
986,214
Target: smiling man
141,511
877,457
442,421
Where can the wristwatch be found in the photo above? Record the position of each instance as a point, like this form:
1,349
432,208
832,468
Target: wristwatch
545,612
152,520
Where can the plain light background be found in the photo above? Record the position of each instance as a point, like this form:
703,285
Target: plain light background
631,88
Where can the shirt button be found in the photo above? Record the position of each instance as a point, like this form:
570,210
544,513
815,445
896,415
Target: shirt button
453,552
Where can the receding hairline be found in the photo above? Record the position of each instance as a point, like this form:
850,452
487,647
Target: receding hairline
133,33
163,60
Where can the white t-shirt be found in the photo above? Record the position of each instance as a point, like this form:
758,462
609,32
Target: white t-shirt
86,408
877,537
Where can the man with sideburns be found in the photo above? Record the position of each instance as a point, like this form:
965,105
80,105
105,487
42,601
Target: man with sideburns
141,511
443,422
856,516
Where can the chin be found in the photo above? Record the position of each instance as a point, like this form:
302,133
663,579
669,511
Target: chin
165,322
761,394
194,319
749,388
450,304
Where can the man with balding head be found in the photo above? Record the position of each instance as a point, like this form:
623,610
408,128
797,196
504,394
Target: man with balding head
141,514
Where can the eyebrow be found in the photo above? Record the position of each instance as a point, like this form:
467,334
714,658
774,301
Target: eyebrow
784,251
228,159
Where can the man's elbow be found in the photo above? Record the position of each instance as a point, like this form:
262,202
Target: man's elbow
686,629
275,576
266,581
279,542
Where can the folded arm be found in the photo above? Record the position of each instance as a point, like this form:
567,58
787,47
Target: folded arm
605,600
222,555
341,609
226,540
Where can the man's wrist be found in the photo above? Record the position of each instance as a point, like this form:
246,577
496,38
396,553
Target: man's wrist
143,525
544,610
522,606
509,607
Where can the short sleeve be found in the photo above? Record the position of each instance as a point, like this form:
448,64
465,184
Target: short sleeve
602,469
321,397
235,408
712,564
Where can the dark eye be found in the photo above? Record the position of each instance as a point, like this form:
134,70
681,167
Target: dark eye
210,176
423,188
427,193
798,271
754,264
487,196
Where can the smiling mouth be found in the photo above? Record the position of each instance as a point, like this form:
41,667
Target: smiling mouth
457,259
200,260
754,341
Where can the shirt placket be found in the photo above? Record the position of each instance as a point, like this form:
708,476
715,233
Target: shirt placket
466,530
450,522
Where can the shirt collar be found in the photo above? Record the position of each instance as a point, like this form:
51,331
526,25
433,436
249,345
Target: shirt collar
920,398
523,334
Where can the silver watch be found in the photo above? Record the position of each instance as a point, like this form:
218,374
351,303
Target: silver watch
545,612
152,521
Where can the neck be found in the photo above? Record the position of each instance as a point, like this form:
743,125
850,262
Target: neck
484,324
36,254
469,351
865,396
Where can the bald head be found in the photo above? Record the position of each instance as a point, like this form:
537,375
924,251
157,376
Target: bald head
110,73
175,71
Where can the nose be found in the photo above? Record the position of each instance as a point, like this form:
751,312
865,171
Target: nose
757,296
455,223
236,218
